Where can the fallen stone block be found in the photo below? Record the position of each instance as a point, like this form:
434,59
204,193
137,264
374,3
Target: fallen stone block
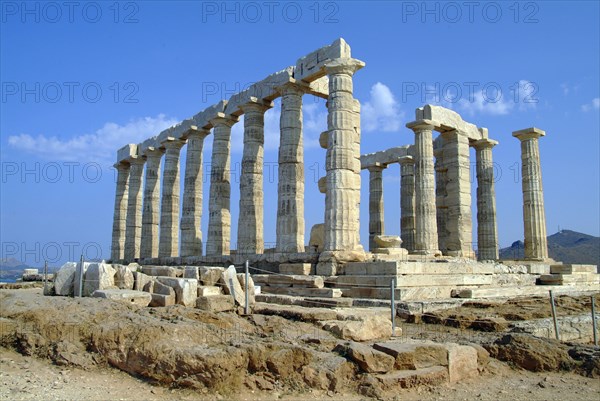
232,286
191,272
210,275
289,280
164,271
462,362
367,329
215,303
367,358
162,299
209,290
163,289
98,276
186,289
127,296
123,277
414,355
251,292
140,281
64,279
432,376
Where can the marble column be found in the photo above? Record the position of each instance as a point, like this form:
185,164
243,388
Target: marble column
407,202
343,158
151,208
441,179
426,238
191,215
120,215
169,212
133,232
219,218
459,221
376,212
487,231
290,187
250,239
534,217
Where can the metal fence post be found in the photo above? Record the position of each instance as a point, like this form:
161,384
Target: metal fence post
393,305
45,277
247,307
556,332
81,277
594,320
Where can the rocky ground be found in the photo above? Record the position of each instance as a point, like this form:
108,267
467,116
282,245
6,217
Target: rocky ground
65,348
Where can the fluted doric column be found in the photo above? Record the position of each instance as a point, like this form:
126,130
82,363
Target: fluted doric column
191,215
407,202
133,232
120,215
441,179
343,158
426,239
151,208
219,218
376,211
534,217
250,238
487,231
169,212
459,220
290,188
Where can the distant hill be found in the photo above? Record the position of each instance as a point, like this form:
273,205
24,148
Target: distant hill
11,269
566,246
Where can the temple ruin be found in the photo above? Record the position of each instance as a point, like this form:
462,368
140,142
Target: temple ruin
434,256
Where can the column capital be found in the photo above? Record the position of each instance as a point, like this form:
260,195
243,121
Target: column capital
224,119
376,167
345,65
152,151
256,104
198,133
421,125
406,160
141,159
172,143
484,144
528,133
121,166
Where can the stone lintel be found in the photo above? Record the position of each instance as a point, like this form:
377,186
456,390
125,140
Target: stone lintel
255,103
222,118
149,144
529,133
406,160
388,156
312,66
446,120
126,152
484,132
202,120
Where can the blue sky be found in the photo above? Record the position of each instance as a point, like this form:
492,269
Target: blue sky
79,81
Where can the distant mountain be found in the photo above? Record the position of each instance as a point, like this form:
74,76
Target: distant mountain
11,269
565,246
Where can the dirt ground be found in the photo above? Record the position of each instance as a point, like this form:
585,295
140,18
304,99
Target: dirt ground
74,362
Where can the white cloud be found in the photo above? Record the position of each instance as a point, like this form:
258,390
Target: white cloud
381,112
594,105
494,101
100,146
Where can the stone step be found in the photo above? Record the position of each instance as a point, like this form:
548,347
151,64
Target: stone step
304,301
570,269
315,313
387,268
302,269
567,279
432,376
304,292
491,292
280,280
400,294
417,280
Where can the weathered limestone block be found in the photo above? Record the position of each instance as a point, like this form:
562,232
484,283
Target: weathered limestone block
164,271
296,268
368,359
251,293
191,272
186,289
211,290
462,362
210,275
215,303
289,280
98,276
163,289
414,355
388,241
126,296
64,279
317,237
162,299
140,281
124,277
367,329
232,286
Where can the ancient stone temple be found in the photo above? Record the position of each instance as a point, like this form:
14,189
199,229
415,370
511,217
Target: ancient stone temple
435,255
